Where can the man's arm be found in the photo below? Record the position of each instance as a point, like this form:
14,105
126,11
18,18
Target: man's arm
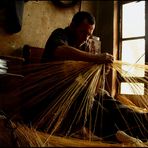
66,52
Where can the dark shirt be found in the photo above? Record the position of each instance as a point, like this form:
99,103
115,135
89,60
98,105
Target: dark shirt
57,38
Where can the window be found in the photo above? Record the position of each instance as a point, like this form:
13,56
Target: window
132,43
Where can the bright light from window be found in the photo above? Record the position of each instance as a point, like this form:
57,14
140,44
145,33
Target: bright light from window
132,88
133,52
133,19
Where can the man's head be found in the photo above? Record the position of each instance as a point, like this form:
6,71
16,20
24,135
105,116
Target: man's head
83,25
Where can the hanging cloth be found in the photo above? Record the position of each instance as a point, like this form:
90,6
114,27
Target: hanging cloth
14,15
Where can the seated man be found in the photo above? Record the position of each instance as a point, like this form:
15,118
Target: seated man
72,43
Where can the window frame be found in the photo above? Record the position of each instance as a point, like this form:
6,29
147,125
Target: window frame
120,3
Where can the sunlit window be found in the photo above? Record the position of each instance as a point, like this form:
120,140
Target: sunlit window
133,51
133,19
132,88
133,43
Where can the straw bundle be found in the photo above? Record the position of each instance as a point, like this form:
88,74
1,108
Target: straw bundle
29,137
49,91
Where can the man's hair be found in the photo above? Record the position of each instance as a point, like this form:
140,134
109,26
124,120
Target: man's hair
82,16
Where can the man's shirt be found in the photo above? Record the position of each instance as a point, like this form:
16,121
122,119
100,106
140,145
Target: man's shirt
61,37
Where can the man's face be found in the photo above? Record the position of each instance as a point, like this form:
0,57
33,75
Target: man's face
83,32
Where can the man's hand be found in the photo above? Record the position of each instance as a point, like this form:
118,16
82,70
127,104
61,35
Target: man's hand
107,58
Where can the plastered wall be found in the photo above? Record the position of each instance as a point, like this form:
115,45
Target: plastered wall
40,18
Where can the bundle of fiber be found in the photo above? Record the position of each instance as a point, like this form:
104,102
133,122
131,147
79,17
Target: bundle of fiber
24,136
33,138
60,98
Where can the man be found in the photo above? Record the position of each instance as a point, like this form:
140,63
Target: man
72,43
